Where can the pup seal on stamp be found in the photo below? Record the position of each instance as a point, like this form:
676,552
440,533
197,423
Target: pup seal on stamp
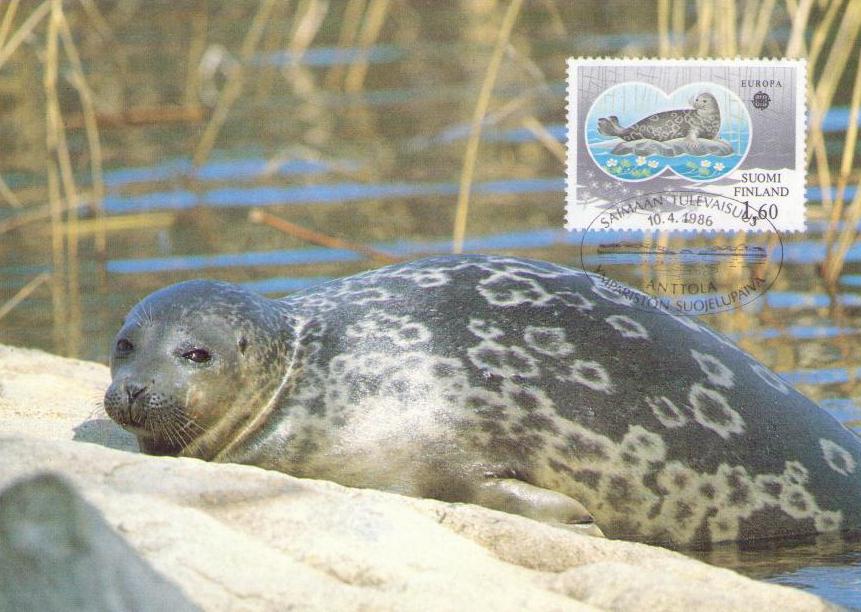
516,384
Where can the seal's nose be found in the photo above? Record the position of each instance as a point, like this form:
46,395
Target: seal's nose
133,390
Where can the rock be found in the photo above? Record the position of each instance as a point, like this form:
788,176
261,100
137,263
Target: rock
58,553
236,537
673,148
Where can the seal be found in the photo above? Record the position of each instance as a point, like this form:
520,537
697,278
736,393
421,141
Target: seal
515,384
702,121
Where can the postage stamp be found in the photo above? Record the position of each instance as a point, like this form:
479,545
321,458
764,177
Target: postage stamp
667,144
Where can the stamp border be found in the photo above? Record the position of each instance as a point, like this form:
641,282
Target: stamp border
571,119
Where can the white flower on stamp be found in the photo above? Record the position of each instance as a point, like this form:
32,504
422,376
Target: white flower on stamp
705,163
641,160
652,163
612,162
719,166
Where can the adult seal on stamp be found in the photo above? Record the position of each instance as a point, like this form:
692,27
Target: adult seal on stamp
696,272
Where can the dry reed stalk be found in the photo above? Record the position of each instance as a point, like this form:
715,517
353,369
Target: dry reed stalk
823,171
30,215
92,227
375,16
9,195
555,17
93,141
24,293
748,23
705,23
835,259
199,30
8,18
760,30
306,29
838,58
58,255
845,164
727,27
820,32
544,137
273,41
847,237
796,46
303,233
98,20
663,28
678,27
67,178
351,21
483,101
233,87
24,31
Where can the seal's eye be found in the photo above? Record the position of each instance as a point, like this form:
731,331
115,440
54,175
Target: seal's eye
124,346
198,355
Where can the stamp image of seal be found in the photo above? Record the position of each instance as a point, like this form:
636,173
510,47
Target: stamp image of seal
703,121
515,384
640,125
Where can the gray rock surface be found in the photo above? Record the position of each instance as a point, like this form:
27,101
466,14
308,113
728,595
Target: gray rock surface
57,553
241,538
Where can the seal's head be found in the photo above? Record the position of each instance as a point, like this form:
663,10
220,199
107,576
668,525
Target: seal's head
705,102
190,363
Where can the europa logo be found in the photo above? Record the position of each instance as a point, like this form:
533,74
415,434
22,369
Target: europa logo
634,131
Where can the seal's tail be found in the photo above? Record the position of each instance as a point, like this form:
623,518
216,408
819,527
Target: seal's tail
609,126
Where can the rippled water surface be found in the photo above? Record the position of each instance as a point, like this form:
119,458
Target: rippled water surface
374,161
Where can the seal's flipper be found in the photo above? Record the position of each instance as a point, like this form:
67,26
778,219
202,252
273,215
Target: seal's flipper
518,497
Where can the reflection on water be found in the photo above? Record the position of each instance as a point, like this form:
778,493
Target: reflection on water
362,141
828,567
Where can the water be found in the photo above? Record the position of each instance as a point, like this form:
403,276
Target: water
378,165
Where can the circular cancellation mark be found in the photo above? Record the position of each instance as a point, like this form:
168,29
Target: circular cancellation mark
709,272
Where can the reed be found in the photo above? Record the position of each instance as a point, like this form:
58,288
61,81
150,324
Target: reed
58,253
24,30
351,21
314,237
481,105
8,19
705,23
664,45
8,195
836,254
308,20
233,86
70,190
537,129
24,293
93,140
375,16
273,41
196,49
760,31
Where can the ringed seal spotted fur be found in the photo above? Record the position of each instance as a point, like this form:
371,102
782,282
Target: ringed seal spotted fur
516,384
702,121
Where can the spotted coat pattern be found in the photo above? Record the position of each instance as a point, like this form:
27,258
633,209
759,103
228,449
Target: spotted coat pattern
443,368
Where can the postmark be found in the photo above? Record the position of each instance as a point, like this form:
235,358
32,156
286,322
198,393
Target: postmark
718,145
691,273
